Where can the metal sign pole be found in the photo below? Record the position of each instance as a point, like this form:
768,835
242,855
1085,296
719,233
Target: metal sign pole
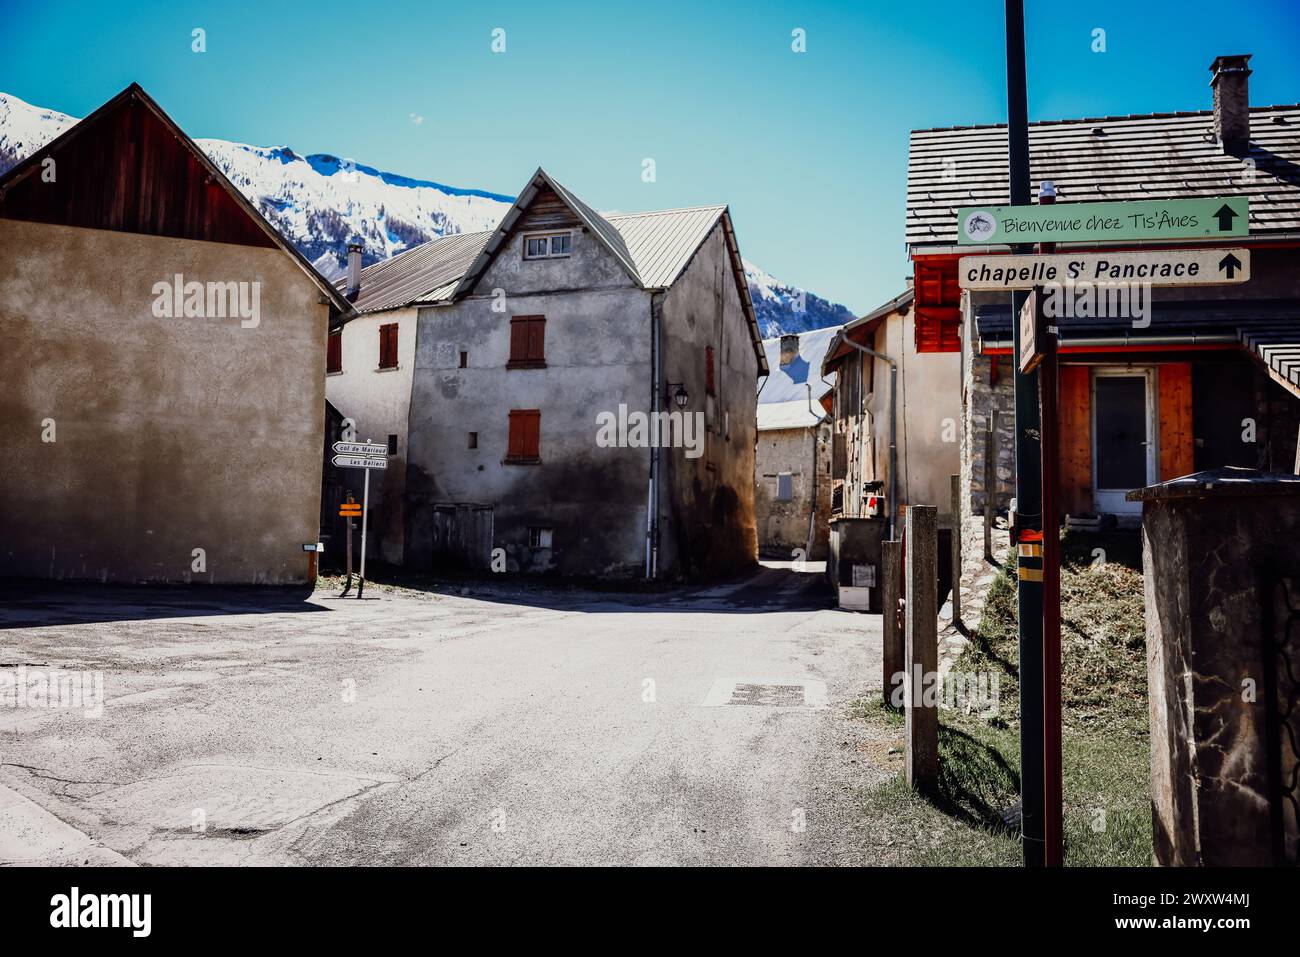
1028,519
365,514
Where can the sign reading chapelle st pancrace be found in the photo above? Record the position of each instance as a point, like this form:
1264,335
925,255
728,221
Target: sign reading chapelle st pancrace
1196,266
1214,217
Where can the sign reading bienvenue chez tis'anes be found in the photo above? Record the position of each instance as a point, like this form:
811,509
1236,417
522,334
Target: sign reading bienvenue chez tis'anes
1194,266
1165,219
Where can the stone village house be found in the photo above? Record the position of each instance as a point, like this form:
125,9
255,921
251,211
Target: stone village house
163,362
507,371
1213,381
792,488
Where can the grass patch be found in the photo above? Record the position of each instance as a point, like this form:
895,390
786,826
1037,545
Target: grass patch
1106,754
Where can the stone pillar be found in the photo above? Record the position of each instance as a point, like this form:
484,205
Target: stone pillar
922,648
1221,561
891,631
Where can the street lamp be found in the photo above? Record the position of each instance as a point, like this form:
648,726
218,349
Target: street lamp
679,395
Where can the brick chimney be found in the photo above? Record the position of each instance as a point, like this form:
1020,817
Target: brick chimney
354,269
789,349
1231,82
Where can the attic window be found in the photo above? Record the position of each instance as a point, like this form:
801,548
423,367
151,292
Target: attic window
552,246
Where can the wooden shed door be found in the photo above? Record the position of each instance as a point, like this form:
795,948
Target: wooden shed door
462,536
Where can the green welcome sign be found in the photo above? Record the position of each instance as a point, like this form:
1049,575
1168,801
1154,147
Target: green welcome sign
1217,217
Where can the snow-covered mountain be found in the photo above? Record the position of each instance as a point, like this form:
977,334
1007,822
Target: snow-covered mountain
322,202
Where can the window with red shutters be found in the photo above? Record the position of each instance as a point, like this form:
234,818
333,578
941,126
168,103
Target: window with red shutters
388,346
525,437
709,386
527,342
334,352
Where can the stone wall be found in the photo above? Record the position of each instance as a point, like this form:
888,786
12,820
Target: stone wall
981,396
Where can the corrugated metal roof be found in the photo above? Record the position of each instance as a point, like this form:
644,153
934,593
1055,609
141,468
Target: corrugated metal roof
788,415
427,273
661,243
789,383
1109,158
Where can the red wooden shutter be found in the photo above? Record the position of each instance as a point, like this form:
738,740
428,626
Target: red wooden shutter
525,435
388,346
334,352
537,339
527,342
708,371
533,434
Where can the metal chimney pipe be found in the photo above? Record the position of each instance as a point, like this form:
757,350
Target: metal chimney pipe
354,269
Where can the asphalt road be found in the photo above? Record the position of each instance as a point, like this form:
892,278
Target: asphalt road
500,726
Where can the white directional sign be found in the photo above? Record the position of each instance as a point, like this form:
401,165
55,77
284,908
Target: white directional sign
1159,267
360,461
360,448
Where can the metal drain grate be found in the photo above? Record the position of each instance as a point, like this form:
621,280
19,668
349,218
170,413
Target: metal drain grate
770,695
767,693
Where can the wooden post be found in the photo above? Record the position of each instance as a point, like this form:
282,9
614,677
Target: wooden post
990,482
892,656
347,524
922,649
955,505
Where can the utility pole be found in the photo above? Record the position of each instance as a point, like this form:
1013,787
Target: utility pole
1048,376
1027,527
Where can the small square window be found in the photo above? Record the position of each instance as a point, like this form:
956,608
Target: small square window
784,487
560,245
473,440
392,445
540,537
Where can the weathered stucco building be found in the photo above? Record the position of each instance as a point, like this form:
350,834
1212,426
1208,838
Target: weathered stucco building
163,364
792,481
544,352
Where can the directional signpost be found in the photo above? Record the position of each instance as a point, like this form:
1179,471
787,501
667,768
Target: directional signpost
1197,266
359,455
1146,220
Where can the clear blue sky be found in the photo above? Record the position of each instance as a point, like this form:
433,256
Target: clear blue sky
810,150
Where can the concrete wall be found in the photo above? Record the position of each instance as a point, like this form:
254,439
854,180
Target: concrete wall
597,356
783,526
171,434
707,520
378,401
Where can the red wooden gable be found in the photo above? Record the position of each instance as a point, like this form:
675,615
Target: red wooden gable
938,306
126,167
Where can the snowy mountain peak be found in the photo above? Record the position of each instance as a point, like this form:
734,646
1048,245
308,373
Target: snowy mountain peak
321,202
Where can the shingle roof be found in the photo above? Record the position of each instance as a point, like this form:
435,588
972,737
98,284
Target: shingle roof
1111,158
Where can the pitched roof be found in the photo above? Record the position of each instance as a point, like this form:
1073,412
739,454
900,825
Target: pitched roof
795,414
1110,158
654,248
860,329
427,273
134,93
789,383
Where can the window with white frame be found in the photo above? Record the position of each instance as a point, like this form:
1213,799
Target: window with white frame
549,246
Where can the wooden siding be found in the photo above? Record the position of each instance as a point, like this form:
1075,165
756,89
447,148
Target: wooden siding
1074,401
125,170
1175,398
547,211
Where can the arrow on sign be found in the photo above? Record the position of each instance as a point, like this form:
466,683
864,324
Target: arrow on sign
1229,264
1225,214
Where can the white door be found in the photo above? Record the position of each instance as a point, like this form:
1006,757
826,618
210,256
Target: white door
1123,437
